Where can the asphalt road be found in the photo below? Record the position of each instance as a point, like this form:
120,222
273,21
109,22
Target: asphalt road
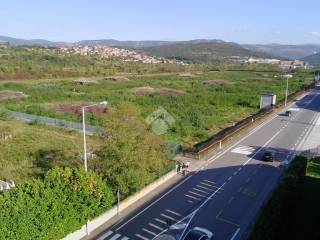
227,193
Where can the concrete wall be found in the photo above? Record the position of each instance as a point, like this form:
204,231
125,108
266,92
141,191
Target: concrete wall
97,222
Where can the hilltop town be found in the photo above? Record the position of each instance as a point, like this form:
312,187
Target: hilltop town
110,52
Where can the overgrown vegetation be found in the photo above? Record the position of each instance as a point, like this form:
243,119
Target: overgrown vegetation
292,211
55,206
201,111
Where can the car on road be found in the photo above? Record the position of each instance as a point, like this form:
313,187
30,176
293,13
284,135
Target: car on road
287,113
198,233
268,156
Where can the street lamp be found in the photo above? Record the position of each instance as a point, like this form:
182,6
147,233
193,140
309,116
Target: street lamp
85,157
287,76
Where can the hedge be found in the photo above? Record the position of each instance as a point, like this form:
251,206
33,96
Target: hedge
52,207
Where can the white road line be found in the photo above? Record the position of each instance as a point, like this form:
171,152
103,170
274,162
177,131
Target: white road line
125,238
209,181
198,199
148,231
107,234
155,226
235,234
318,122
141,237
115,236
146,208
174,213
208,189
207,184
160,221
196,189
197,194
168,217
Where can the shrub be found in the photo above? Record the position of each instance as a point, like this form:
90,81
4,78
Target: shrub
53,207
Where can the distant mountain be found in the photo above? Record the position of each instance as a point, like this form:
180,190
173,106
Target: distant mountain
202,51
32,42
286,51
313,59
113,43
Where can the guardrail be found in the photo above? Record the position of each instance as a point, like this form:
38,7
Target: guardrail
214,143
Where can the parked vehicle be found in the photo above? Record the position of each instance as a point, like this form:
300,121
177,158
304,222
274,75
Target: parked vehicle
268,156
198,234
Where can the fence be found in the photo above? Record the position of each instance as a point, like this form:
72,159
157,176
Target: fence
90,130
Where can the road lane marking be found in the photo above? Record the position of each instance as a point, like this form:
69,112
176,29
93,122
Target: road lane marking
318,121
141,237
197,194
196,189
125,238
174,213
208,189
107,234
198,199
155,226
245,150
168,217
208,185
160,221
210,182
115,236
235,234
149,206
148,231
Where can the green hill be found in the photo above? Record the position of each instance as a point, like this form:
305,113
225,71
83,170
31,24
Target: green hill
210,51
313,59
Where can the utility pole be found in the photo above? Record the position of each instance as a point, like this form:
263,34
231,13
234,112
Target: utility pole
84,141
285,102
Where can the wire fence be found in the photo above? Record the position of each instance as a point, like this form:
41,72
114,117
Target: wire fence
68,125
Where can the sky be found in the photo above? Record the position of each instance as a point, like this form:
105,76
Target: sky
242,21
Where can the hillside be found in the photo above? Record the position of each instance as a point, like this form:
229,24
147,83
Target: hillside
113,43
202,51
32,42
285,51
313,59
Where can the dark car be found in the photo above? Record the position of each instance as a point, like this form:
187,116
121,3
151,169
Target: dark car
287,113
268,156
198,234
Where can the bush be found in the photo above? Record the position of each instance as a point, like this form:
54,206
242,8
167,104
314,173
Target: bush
53,207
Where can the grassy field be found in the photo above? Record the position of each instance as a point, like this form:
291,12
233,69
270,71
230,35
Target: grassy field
31,149
133,156
201,111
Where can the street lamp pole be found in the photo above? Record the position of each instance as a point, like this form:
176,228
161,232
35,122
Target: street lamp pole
85,156
84,140
285,102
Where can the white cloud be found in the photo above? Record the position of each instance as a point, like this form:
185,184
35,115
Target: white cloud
315,33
